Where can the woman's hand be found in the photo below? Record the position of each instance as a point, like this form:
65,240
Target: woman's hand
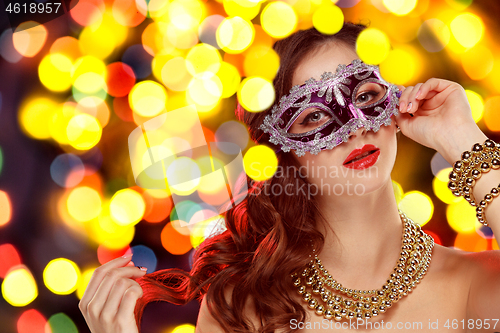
109,301
442,118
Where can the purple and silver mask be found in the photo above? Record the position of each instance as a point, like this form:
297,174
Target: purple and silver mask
322,114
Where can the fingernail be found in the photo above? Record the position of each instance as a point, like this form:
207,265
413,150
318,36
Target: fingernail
418,94
128,255
408,108
142,268
401,106
411,115
130,263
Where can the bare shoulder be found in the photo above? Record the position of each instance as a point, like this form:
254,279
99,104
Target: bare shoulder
208,324
454,261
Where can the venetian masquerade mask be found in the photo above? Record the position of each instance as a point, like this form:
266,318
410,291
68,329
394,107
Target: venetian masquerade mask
321,114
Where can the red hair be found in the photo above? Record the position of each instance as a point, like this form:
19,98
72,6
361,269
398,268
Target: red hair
266,236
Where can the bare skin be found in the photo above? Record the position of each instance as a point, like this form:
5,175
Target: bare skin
363,252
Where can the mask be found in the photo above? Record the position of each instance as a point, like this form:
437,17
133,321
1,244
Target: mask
321,114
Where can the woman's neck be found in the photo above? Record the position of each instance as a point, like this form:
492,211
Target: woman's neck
366,240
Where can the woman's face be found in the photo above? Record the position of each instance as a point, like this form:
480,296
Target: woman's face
334,171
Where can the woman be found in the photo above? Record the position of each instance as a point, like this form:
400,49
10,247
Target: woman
246,272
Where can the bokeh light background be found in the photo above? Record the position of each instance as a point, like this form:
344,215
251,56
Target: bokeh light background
73,89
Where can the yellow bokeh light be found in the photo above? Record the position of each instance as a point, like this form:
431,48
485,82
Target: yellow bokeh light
478,62
400,7
106,231
175,75
398,191
373,46
203,58
205,90
61,276
59,120
434,35
54,72
185,328
278,19
440,187
83,131
468,29
179,38
29,38
328,19
148,98
492,113
262,61
476,104
260,162
19,287
186,14
89,74
399,67
127,207
461,217
246,9
255,94
97,41
84,203
235,34
418,206
35,115
207,185
183,175
84,282
230,79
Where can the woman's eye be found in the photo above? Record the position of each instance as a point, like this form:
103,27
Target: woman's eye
366,97
313,117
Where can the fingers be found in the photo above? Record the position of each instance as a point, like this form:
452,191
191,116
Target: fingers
407,102
99,274
108,283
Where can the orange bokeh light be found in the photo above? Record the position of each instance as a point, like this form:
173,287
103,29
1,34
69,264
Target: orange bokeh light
173,241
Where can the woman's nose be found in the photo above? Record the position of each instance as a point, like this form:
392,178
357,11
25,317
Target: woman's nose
359,132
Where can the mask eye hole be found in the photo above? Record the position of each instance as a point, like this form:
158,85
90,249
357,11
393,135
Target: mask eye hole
309,120
369,93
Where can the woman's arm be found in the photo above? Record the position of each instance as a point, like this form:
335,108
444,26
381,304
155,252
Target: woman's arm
443,121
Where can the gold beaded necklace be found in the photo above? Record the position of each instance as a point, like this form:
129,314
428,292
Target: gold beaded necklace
413,262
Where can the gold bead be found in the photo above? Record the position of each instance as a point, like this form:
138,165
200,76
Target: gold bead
296,282
489,144
328,314
320,309
466,155
488,198
312,303
483,204
350,315
375,312
301,289
382,309
495,163
476,174
477,147
485,167
306,296
452,185
337,316
495,192
470,182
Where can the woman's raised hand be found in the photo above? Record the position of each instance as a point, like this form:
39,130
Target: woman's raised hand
109,301
441,114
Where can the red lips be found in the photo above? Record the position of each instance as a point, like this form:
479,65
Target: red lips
362,158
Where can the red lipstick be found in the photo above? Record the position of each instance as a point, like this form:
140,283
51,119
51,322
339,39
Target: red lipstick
362,158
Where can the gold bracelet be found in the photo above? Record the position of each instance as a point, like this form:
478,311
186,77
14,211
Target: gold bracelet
481,159
495,191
